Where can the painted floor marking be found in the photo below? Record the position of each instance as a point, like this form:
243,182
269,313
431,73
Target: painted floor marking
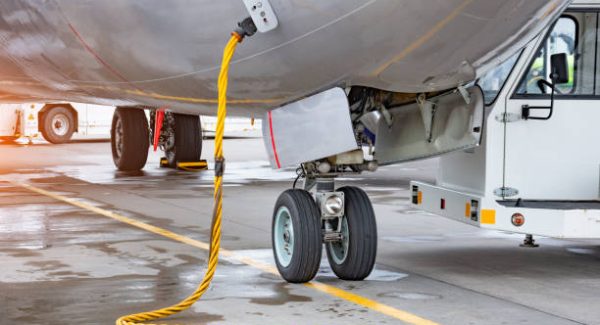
321,287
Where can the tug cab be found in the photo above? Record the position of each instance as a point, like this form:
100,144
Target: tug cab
537,168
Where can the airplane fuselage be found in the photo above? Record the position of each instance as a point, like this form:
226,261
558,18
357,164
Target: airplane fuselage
157,53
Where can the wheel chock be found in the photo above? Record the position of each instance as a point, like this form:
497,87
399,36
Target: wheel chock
190,166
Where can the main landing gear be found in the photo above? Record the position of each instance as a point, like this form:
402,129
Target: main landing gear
180,138
343,220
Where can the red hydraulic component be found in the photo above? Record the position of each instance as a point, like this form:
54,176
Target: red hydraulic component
158,123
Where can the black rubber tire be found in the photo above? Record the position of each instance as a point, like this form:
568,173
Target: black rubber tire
362,246
308,242
48,131
188,140
135,139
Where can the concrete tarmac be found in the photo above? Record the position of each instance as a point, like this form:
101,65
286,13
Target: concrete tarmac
61,264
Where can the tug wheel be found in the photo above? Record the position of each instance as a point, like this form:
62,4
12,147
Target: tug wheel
58,125
296,236
353,257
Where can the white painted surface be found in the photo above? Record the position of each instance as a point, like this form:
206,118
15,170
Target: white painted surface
548,160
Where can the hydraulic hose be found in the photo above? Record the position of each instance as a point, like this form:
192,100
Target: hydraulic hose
215,236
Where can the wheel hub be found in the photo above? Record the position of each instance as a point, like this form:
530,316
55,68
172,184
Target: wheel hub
167,138
60,124
286,236
339,248
119,137
283,236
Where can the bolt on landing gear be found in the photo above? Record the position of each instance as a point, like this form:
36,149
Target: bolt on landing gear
342,219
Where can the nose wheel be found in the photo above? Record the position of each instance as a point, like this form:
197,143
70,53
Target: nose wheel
352,257
298,232
296,236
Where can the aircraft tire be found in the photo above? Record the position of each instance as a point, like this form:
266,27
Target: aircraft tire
129,139
296,236
353,258
58,125
187,146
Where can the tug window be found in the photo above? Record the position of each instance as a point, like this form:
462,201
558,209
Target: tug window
492,82
575,35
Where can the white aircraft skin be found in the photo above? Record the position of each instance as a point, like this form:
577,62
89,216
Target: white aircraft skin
157,53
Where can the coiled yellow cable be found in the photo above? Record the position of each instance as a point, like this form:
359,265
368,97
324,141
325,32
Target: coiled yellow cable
215,237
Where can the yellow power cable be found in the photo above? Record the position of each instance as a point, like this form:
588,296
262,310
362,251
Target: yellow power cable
215,240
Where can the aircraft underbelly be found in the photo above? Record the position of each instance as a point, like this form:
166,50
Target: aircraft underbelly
167,53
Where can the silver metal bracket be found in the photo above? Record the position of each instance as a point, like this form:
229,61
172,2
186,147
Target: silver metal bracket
262,15
309,183
386,115
465,94
508,117
428,113
321,198
506,192
330,234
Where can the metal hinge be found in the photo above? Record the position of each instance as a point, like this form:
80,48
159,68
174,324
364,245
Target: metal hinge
465,94
508,117
428,109
506,192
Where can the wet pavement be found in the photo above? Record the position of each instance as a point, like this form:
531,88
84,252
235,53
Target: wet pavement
61,264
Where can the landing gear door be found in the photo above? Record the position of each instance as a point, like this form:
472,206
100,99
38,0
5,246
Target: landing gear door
430,127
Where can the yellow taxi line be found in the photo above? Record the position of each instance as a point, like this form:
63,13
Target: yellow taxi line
401,315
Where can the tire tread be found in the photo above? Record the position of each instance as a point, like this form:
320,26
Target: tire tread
188,139
306,258
136,139
362,225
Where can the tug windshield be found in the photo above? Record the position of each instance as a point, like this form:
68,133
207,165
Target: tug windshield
493,81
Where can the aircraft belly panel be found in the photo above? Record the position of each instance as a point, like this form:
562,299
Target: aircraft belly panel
440,125
167,53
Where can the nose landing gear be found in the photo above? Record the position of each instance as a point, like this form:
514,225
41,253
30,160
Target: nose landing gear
343,220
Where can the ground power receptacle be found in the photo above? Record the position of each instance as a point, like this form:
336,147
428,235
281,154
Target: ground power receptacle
262,14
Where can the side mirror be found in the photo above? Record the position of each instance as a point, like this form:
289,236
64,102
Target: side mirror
559,75
560,68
